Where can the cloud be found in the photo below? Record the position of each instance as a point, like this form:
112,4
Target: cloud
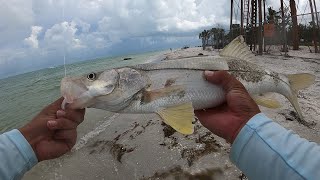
85,29
16,19
63,35
32,40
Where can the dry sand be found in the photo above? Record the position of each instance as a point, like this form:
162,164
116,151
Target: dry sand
120,146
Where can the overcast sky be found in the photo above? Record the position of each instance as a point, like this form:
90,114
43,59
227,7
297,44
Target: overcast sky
35,34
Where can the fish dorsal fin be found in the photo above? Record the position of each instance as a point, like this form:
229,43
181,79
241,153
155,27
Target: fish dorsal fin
192,63
237,49
179,117
267,102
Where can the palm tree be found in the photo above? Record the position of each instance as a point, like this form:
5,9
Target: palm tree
213,34
272,16
204,37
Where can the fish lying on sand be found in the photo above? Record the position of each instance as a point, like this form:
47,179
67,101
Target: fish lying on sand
174,89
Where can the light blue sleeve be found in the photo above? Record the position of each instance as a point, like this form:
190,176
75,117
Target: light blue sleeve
265,150
16,154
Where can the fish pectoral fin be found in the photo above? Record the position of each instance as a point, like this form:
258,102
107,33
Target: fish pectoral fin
149,96
267,102
179,118
238,49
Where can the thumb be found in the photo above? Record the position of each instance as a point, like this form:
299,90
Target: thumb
55,106
225,80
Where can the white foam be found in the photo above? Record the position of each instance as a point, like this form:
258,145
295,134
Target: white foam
155,59
84,140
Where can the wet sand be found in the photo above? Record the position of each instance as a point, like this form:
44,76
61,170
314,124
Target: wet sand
122,146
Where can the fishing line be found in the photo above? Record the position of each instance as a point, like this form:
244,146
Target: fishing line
64,43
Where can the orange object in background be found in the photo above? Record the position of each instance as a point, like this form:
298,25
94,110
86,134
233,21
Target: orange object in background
268,30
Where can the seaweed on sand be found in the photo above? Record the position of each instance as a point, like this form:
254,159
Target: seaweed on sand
178,173
167,130
209,145
118,150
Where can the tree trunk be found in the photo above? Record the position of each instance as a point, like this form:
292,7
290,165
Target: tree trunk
317,19
241,26
260,28
231,18
203,43
294,25
314,28
264,22
284,34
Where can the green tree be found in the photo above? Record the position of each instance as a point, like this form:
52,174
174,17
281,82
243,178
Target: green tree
219,38
204,36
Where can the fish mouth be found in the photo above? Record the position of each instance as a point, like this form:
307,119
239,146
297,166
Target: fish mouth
72,92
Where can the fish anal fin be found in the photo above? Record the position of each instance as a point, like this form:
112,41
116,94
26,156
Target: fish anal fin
267,102
237,49
179,117
151,95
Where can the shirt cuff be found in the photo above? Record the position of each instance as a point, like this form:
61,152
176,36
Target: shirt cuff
245,134
23,146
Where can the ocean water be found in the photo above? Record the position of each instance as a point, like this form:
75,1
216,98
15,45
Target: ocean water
23,96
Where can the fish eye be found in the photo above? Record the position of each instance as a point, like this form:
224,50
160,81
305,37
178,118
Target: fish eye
91,76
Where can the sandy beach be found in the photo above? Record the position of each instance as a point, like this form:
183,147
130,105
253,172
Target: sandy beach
122,146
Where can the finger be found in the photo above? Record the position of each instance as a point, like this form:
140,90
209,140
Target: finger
61,124
51,149
57,103
202,114
66,134
214,121
215,110
224,79
76,115
61,114
54,107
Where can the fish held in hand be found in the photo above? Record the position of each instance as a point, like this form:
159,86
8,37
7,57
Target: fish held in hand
174,89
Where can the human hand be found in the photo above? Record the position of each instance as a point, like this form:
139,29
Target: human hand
229,118
52,132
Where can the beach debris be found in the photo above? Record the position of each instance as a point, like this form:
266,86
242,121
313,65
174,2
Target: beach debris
167,130
116,149
174,89
185,47
125,59
200,54
290,115
243,177
207,145
178,173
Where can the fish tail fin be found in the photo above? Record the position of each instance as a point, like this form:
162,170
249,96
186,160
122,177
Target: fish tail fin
298,82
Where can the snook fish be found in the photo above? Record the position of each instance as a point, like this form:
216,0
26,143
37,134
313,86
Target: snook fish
174,89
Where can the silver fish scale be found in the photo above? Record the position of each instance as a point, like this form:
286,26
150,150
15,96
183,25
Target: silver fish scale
200,99
197,90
